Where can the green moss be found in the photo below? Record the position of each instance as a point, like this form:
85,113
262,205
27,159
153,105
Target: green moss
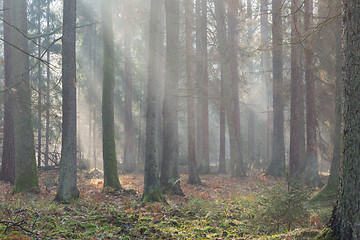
326,234
328,193
111,177
153,196
27,183
67,198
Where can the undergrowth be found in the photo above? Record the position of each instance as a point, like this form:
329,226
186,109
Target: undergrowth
248,213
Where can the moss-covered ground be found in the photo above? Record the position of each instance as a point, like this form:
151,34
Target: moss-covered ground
222,208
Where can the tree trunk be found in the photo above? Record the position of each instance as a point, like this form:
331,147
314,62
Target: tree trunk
330,190
48,103
152,190
39,87
192,165
231,107
237,166
26,178
204,101
129,151
265,63
7,172
222,153
295,89
277,164
251,138
312,177
345,221
67,189
170,178
111,177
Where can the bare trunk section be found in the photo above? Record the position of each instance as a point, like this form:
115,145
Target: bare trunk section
330,190
48,103
312,177
222,153
111,177
26,178
295,89
7,172
265,64
204,101
237,165
199,66
169,177
251,138
40,82
192,165
277,164
129,151
345,221
67,189
152,190
238,169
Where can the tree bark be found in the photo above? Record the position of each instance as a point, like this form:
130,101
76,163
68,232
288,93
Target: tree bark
237,166
26,178
277,164
251,137
333,181
345,221
222,152
7,172
192,165
312,177
231,106
129,151
265,64
202,70
295,90
170,178
67,189
40,82
152,190
111,177
48,102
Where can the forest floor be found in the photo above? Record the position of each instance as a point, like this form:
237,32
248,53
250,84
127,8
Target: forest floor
256,207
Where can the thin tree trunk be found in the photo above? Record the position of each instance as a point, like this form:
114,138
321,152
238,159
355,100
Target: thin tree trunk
67,189
198,67
192,165
295,89
48,103
7,172
251,137
330,190
238,168
129,153
222,153
204,82
312,177
265,62
277,164
39,87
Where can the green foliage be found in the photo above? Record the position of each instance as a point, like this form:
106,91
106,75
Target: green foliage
284,206
326,234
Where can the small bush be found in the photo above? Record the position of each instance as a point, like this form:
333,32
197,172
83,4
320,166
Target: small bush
283,207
